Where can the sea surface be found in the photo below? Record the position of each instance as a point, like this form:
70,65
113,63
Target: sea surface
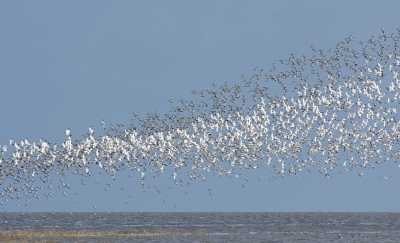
217,227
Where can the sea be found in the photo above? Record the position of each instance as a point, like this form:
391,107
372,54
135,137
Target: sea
215,227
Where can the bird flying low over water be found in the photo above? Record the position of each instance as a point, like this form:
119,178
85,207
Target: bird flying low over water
331,110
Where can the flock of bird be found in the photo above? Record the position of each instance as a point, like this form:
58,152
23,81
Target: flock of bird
335,109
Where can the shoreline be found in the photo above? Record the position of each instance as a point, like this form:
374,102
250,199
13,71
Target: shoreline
31,234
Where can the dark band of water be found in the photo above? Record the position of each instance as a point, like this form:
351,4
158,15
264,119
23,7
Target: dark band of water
219,227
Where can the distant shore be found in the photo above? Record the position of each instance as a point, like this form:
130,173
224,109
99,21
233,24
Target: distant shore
10,235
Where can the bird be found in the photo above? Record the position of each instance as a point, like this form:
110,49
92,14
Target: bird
334,109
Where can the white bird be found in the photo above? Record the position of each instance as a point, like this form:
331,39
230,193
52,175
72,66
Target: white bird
328,108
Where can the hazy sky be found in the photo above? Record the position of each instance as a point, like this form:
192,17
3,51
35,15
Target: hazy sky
73,63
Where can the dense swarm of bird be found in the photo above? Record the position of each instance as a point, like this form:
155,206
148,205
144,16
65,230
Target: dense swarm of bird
334,109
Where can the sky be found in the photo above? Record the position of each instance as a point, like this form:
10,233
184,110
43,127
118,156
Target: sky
70,64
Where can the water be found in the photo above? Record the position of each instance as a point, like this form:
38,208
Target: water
218,227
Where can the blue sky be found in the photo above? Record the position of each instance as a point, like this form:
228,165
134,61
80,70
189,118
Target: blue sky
73,63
